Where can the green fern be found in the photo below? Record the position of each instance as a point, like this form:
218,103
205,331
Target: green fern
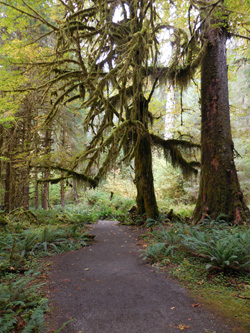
155,252
226,249
7,322
26,245
37,322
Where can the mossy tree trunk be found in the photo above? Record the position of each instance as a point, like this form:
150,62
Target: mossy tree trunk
146,201
36,191
220,191
76,197
23,147
144,180
9,194
62,182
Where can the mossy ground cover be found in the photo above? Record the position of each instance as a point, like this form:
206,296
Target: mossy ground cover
225,289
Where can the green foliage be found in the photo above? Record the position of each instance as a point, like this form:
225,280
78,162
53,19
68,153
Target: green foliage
55,231
157,251
151,223
169,235
172,189
225,248
120,182
20,219
26,246
37,321
50,238
222,248
72,214
104,206
21,304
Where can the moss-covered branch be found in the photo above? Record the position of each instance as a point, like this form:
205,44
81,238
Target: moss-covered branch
115,134
172,151
52,180
181,143
71,174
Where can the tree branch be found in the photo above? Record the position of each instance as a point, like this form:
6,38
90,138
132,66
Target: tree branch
239,36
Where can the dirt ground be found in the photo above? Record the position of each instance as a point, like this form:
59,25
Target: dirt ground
107,288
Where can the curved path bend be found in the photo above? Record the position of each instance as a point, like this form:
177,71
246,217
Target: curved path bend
107,288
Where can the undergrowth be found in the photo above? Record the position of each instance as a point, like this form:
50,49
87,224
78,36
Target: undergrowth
108,205
22,305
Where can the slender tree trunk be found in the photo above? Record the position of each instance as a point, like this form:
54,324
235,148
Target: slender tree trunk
220,191
26,189
46,173
26,147
62,193
36,150
76,198
62,189
36,191
45,191
7,188
24,171
9,197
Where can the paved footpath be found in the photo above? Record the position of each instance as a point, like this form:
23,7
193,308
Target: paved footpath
107,288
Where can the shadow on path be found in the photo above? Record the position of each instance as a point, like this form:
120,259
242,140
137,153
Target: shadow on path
106,288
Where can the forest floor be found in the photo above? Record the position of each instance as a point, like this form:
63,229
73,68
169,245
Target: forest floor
107,288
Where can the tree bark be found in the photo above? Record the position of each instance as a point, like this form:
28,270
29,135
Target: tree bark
23,172
220,191
62,191
36,191
46,173
76,197
9,195
62,188
144,180
145,200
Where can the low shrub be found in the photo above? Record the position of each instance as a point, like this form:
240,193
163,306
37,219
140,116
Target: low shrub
223,249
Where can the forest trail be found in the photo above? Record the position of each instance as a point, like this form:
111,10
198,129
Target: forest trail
107,288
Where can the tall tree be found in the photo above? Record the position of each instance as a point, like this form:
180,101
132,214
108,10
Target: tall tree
220,191
105,54
118,91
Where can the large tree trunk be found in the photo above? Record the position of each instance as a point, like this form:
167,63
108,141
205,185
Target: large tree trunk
220,191
146,201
